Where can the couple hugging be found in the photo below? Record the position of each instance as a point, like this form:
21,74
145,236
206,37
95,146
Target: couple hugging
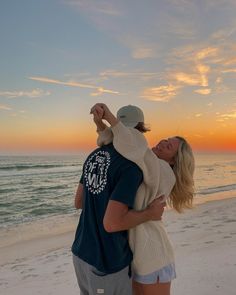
121,246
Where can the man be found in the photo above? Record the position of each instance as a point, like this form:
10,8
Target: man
106,194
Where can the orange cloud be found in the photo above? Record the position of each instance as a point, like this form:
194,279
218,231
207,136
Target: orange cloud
189,79
203,91
207,52
161,93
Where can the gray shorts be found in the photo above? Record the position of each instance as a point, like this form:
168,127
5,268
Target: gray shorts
93,282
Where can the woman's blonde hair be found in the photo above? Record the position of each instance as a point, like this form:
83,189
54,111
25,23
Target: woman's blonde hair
181,196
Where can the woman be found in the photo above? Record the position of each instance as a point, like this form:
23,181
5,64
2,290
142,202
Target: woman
167,169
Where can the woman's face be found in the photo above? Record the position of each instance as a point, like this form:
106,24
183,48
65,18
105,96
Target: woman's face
166,149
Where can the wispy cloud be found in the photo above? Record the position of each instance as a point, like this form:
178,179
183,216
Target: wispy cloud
229,71
99,89
69,83
162,93
5,107
207,52
31,94
198,63
229,61
202,63
187,78
130,75
203,91
231,115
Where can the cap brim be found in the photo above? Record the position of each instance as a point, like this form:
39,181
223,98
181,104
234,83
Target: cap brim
129,124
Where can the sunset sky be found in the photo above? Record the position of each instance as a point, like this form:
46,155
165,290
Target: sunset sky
176,59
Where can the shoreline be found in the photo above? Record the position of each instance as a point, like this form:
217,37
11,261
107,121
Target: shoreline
42,235
204,240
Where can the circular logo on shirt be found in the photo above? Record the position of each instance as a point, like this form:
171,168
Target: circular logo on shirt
95,173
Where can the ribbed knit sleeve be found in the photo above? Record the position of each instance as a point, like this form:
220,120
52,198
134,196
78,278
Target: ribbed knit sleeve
130,143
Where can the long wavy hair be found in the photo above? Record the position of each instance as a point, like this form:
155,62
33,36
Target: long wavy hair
181,196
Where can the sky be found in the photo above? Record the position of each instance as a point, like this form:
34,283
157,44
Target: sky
175,59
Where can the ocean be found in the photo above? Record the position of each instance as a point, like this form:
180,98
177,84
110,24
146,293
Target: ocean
34,188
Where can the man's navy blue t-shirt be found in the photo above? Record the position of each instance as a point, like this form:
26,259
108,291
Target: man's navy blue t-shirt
106,176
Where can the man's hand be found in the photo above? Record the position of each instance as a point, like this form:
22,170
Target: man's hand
156,209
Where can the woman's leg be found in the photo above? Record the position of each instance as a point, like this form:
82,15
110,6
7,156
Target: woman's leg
137,288
152,289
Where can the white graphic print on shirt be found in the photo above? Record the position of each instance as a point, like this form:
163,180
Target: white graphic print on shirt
95,172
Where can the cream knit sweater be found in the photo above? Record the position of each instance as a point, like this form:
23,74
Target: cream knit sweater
149,242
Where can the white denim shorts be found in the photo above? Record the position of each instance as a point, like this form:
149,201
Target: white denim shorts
163,275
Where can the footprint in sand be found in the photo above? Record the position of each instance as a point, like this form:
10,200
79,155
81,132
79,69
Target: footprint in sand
49,260
218,225
18,267
19,260
227,237
205,212
184,245
4,284
230,220
189,226
27,270
29,276
209,242
217,219
58,271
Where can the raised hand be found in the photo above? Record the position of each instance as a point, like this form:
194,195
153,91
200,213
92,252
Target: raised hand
98,111
103,112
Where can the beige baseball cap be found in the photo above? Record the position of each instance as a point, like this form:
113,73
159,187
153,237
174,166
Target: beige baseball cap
130,115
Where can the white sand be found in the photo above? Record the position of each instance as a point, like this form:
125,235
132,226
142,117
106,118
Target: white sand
205,246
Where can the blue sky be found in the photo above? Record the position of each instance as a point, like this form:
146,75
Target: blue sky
175,59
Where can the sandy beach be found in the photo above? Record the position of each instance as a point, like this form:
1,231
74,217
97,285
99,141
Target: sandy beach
204,239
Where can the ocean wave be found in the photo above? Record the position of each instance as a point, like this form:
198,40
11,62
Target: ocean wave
7,190
217,189
20,167
47,188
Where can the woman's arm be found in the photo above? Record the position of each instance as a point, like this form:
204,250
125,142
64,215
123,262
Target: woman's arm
105,135
129,142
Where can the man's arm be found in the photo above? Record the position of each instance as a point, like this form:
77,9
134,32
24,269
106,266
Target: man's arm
118,217
79,197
